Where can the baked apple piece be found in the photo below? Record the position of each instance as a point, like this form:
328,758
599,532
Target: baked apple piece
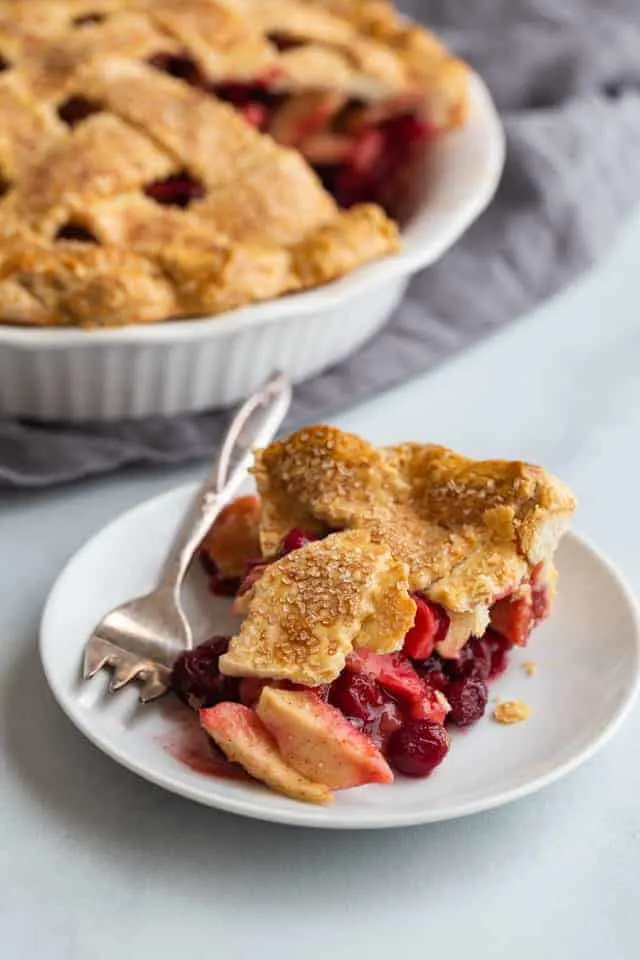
316,740
244,739
234,538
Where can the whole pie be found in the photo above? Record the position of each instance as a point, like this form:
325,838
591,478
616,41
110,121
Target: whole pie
381,589
173,158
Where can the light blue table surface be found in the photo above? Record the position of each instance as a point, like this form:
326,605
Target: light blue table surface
95,863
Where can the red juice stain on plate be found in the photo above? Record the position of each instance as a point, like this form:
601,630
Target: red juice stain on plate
188,743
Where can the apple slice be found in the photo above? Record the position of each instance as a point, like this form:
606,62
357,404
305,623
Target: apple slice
318,742
513,618
244,739
429,628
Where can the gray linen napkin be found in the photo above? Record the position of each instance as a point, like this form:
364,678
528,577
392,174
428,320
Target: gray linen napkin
566,76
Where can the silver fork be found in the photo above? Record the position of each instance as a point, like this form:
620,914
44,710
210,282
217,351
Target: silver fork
142,638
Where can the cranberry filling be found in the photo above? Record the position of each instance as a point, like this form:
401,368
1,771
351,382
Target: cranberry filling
418,747
196,677
220,586
76,109
241,94
257,114
467,698
178,190
254,570
296,539
397,700
515,616
254,101
540,596
89,19
284,42
429,628
255,567
180,66
379,157
369,165
75,232
369,708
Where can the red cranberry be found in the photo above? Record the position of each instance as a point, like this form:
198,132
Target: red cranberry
366,705
407,129
196,677
432,664
357,695
296,539
418,747
467,697
473,660
432,671
434,679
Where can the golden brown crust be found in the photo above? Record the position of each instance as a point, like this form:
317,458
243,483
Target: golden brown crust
468,531
292,209
362,233
309,609
89,286
89,122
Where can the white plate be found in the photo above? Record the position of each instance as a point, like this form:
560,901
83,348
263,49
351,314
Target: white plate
588,657
171,368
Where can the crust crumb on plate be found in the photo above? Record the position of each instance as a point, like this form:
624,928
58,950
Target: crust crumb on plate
530,667
511,711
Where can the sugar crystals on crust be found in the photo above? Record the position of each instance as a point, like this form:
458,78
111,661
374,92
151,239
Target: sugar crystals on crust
310,609
469,531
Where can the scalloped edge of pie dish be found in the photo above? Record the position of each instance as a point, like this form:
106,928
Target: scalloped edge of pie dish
193,365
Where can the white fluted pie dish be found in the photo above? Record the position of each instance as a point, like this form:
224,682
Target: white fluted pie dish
196,365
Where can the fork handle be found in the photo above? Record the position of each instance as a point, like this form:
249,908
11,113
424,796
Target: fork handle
255,425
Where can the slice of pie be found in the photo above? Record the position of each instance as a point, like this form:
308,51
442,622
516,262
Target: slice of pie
171,158
389,584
